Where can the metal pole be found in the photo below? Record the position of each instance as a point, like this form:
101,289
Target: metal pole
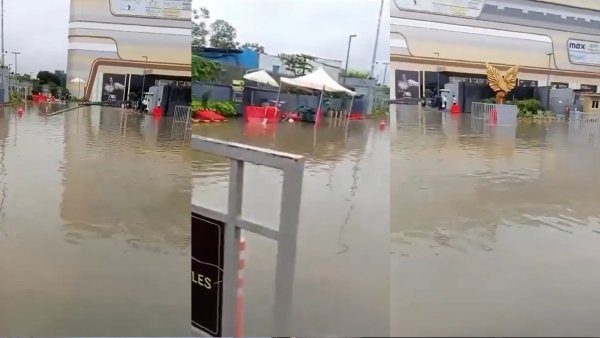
232,244
348,57
438,75
129,87
286,248
376,40
16,54
144,76
2,46
548,81
319,107
385,72
124,92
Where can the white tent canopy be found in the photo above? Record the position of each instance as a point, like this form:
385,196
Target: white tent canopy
261,76
318,80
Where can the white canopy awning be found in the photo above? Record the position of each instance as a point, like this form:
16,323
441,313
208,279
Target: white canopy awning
261,76
318,80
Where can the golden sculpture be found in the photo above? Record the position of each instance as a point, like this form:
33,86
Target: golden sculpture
502,84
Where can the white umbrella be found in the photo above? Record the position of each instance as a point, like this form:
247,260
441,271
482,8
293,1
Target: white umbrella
80,81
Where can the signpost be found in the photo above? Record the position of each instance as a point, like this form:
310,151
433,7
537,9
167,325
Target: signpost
166,9
208,242
211,228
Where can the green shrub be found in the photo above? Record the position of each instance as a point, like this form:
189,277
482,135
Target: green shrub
225,108
529,107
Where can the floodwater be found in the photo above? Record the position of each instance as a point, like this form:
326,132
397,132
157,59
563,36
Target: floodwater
94,224
495,231
342,271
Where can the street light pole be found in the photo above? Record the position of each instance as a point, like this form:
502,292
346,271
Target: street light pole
376,40
386,64
16,54
548,80
9,66
144,76
2,46
438,74
348,56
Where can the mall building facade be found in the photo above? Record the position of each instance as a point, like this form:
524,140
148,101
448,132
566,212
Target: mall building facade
114,43
452,41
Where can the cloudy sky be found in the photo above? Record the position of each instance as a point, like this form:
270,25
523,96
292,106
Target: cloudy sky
315,27
39,30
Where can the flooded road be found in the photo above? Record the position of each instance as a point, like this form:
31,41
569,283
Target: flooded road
495,231
94,225
342,277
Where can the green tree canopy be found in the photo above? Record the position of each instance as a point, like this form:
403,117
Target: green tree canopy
47,77
222,35
199,28
254,46
204,69
298,64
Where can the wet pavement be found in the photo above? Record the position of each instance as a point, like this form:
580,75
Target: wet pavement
495,230
341,286
94,224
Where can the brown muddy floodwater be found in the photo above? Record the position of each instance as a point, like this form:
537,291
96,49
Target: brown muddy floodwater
94,225
342,276
495,231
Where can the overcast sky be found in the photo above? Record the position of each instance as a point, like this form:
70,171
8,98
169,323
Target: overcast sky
39,30
315,27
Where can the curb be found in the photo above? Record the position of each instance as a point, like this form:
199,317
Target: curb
63,110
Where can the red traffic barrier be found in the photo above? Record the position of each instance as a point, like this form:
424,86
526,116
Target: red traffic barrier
455,109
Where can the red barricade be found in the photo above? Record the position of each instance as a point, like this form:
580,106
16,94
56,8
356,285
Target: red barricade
259,114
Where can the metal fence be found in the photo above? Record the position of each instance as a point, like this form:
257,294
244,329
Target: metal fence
584,128
182,122
480,110
496,114
285,235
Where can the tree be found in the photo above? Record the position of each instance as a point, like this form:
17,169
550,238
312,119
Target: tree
255,47
62,78
199,28
204,69
297,64
223,35
47,77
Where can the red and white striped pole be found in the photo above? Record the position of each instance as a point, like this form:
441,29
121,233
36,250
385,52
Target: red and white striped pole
240,292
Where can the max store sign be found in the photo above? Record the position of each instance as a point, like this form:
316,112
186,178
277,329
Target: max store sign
584,52
584,46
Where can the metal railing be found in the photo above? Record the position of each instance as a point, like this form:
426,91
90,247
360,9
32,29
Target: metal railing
495,114
182,122
480,110
285,235
584,128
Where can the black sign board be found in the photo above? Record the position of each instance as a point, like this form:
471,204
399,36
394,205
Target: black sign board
559,84
113,87
588,88
207,274
528,83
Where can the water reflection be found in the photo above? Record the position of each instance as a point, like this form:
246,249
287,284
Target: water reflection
342,266
488,225
95,224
